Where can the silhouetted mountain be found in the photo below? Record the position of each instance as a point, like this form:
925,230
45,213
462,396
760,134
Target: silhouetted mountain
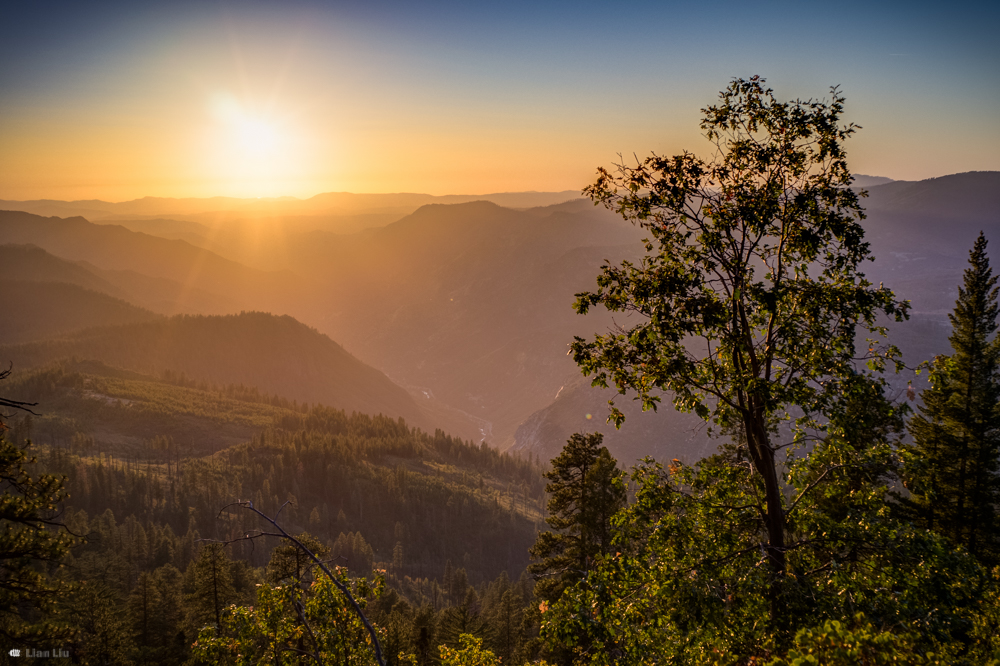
196,233
161,295
167,296
259,242
278,355
113,247
470,304
30,262
39,310
861,180
921,233
329,203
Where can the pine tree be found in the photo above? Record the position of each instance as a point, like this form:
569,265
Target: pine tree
32,542
290,563
144,608
103,633
953,466
584,494
210,585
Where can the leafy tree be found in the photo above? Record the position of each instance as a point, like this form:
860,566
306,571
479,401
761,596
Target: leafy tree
327,630
173,644
584,493
747,314
836,644
953,465
746,307
103,636
459,621
688,579
472,653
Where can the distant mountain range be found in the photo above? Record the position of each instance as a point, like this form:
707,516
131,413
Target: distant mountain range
327,204
468,304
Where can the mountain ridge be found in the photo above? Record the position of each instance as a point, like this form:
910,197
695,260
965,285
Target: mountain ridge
277,354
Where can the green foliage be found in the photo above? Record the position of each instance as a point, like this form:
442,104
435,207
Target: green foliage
289,563
102,635
362,484
747,304
210,585
158,419
287,622
984,639
471,653
585,491
835,644
689,581
953,466
133,444
33,541
748,311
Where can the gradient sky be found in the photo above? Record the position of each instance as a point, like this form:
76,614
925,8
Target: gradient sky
116,100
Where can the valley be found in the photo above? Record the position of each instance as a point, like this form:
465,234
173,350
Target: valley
467,306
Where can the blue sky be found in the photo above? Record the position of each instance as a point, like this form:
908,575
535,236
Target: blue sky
116,101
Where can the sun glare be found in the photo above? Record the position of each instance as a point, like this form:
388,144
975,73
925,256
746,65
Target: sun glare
256,136
253,152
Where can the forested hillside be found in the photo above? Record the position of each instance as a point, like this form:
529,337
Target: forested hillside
152,462
275,354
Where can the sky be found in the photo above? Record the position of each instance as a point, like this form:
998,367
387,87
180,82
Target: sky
117,101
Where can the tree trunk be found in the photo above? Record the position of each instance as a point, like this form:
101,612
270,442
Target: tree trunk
762,456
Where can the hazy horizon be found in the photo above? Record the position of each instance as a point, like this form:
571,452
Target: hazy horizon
863,181
117,102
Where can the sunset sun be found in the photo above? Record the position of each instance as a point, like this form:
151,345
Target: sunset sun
257,137
251,149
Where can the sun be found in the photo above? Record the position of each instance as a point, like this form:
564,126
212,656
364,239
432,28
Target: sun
251,150
256,136
244,131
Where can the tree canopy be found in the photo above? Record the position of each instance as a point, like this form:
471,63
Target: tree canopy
747,305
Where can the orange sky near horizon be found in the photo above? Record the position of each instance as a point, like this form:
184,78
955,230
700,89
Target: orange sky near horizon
252,100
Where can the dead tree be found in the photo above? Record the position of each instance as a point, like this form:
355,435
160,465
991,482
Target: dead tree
280,532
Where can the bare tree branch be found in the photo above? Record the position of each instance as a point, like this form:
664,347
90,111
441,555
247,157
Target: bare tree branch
345,590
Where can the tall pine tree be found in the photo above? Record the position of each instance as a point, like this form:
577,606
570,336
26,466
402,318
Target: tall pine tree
583,496
952,469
